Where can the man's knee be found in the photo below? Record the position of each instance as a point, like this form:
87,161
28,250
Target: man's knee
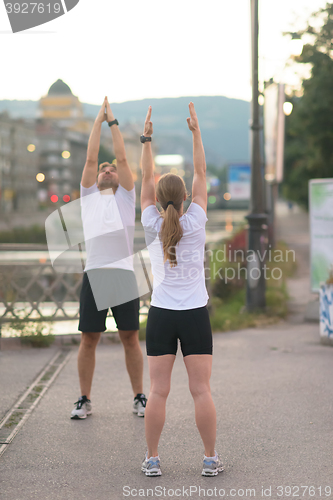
129,338
90,340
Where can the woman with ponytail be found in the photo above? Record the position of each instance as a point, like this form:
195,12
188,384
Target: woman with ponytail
176,243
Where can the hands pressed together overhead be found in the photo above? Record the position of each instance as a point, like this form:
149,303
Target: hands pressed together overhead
105,113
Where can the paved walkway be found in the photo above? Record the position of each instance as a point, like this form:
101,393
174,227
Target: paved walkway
293,228
274,398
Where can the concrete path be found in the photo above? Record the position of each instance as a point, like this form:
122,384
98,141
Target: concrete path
273,394
293,228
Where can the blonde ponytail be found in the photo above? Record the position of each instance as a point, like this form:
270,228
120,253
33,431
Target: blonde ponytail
170,191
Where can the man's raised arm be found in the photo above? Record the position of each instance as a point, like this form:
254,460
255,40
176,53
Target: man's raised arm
123,170
91,167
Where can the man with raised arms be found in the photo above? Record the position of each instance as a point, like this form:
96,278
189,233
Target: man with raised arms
108,217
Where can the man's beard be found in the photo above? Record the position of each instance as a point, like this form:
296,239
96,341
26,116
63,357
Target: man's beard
107,183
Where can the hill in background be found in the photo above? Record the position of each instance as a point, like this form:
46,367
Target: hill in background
224,123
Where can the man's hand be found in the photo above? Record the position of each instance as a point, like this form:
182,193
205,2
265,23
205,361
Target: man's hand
101,117
192,122
148,128
109,114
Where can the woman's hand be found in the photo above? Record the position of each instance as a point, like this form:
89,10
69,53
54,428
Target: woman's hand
192,122
109,114
148,128
101,117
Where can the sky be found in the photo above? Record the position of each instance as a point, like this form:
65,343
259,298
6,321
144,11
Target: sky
131,50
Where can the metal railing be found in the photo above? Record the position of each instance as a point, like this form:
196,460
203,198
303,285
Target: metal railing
36,292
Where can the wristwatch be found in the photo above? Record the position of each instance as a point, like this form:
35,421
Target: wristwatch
143,139
114,122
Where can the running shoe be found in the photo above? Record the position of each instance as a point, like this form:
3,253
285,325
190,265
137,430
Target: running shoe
151,466
139,405
82,408
212,466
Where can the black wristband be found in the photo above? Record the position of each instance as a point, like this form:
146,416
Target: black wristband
144,139
114,122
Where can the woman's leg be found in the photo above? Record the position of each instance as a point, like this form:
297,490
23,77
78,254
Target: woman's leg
199,367
160,368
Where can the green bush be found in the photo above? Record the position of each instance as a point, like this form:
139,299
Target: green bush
34,333
33,234
229,297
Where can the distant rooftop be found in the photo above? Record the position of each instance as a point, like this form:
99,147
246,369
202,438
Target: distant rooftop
59,87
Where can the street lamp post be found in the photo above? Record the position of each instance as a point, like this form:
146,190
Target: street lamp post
255,292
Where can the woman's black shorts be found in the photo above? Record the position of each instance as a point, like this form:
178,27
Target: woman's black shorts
108,285
190,326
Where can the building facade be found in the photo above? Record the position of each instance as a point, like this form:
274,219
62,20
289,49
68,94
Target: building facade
61,106
62,155
18,165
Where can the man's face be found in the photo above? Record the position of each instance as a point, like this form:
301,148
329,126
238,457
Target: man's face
107,176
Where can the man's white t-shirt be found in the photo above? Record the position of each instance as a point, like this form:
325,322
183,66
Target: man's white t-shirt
183,286
108,225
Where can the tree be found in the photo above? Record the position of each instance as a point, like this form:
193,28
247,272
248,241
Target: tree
309,129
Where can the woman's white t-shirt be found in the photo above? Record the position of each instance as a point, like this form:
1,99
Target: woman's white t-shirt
108,225
183,286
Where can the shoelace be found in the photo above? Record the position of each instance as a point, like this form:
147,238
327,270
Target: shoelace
142,399
79,403
154,463
211,462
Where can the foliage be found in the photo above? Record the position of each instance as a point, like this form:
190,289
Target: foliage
223,288
329,280
142,330
228,311
309,128
33,234
34,333
230,314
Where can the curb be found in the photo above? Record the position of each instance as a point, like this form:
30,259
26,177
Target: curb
70,340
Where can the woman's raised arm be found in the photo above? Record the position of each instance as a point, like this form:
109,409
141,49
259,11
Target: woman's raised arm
199,186
148,195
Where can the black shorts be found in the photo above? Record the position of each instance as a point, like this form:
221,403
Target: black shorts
190,326
126,315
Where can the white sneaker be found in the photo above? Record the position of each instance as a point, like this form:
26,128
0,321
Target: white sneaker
82,409
151,466
212,466
139,405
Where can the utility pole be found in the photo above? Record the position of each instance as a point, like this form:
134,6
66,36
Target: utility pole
256,286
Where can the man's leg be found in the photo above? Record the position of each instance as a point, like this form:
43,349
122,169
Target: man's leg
86,361
92,323
133,358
